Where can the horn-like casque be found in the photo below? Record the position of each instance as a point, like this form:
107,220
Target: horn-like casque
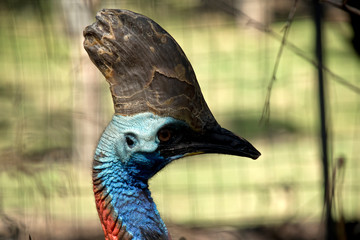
146,69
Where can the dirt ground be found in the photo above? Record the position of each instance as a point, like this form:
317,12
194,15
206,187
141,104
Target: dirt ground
11,229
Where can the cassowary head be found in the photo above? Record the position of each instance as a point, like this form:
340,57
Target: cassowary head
160,116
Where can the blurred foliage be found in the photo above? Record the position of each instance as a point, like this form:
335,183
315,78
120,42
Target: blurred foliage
17,6
33,84
233,64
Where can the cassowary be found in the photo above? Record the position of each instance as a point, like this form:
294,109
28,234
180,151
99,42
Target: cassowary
160,115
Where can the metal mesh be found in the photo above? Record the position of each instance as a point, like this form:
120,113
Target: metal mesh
55,104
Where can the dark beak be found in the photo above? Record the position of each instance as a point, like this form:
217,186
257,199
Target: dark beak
215,140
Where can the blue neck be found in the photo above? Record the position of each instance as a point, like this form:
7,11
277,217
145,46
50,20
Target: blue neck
126,192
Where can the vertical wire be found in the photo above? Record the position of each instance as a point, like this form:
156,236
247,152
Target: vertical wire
318,12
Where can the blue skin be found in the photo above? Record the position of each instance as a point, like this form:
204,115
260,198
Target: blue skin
125,159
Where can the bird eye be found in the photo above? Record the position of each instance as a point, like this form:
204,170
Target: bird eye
164,134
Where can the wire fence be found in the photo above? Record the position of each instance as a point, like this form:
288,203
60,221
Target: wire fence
255,63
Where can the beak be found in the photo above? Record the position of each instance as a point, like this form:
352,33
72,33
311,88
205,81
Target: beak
215,140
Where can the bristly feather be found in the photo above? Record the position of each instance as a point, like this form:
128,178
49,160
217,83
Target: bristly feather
120,179
150,234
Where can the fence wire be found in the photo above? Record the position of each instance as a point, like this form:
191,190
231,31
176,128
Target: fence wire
55,104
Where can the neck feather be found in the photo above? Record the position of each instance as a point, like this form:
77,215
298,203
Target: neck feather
124,203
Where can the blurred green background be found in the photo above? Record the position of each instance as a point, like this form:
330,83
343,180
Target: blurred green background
54,105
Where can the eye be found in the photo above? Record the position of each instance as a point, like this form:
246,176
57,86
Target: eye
165,134
130,141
